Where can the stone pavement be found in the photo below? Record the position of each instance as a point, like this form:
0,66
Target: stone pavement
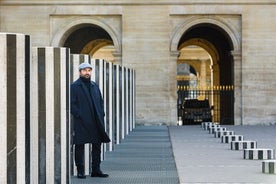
144,157
184,154
202,158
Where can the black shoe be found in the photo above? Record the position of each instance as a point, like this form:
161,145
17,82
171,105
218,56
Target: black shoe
81,176
99,174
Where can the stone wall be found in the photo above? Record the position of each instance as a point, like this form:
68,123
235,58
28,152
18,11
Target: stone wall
143,33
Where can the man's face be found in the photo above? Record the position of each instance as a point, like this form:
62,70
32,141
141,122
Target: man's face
86,72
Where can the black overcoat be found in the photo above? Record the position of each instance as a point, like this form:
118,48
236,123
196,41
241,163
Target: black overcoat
88,113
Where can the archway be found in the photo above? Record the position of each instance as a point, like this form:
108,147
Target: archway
217,43
89,36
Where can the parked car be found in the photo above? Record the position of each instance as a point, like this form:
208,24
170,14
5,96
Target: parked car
195,111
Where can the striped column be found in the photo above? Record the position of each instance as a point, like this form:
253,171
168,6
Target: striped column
269,166
212,130
50,121
15,108
108,103
132,100
229,138
212,125
75,61
204,125
118,102
220,133
241,145
259,154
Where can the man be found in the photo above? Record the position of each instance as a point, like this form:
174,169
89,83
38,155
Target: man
88,119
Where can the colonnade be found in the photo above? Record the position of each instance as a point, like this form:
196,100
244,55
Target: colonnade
35,134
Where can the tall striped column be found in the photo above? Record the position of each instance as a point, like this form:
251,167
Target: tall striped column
108,102
50,121
118,101
15,109
75,61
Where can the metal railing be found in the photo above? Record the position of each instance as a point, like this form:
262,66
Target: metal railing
221,100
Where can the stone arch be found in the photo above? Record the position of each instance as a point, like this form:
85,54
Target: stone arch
231,31
64,31
234,36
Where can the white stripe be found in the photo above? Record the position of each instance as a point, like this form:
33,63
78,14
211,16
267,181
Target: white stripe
3,109
117,104
86,158
127,99
63,122
111,106
34,116
123,102
49,95
20,108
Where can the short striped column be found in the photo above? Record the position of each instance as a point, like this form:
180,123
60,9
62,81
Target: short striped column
212,125
259,154
75,61
269,166
50,121
204,125
229,138
241,145
15,108
220,133
212,130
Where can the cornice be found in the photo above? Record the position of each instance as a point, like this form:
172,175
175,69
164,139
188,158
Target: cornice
134,2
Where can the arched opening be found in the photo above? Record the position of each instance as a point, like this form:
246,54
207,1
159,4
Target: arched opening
92,40
207,48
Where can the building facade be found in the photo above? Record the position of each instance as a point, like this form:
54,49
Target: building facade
172,45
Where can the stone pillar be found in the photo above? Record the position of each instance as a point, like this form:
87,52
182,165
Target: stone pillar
15,109
237,87
172,67
75,61
50,121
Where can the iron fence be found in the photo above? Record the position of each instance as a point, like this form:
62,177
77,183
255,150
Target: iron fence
221,100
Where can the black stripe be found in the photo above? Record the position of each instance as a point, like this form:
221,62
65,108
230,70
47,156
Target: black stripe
27,109
41,116
11,109
57,118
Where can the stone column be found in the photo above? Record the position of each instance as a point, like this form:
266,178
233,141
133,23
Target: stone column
237,87
15,109
75,61
172,67
50,121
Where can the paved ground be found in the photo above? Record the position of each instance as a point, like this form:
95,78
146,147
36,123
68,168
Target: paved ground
144,157
202,158
184,154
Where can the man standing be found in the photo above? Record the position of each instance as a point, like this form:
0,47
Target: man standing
88,119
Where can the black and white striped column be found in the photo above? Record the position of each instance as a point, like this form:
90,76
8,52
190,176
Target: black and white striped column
241,145
269,166
108,103
259,154
50,121
75,61
230,138
220,133
212,130
15,109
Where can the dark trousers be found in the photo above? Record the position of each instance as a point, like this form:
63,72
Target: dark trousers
96,157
